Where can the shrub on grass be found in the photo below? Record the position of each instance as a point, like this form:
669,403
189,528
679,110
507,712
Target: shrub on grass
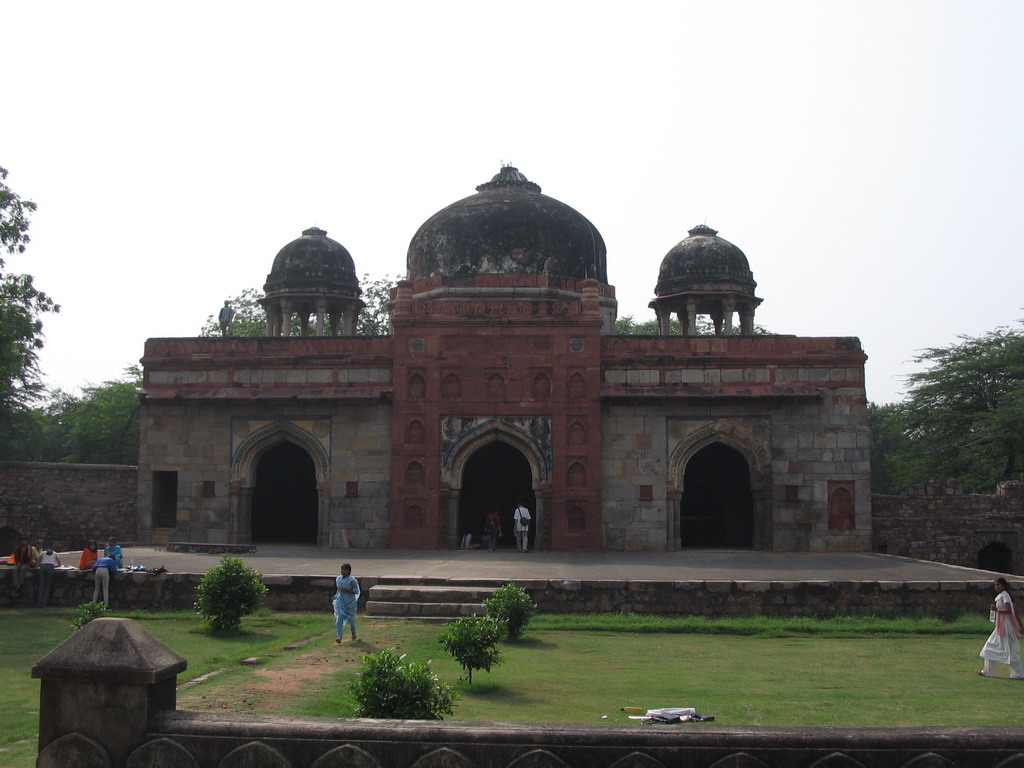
473,641
229,592
512,608
386,687
86,613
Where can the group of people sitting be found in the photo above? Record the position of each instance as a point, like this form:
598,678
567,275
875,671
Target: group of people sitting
47,560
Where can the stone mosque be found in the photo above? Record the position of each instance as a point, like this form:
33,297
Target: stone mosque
502,382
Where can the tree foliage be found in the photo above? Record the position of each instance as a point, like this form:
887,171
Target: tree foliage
964,415
473,642
22,306
251,318
627,326
99,426
14,219
512,608
388,687
228,593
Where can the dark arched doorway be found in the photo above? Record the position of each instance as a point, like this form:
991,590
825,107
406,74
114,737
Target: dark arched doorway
284,502
717,507
996,557
496,476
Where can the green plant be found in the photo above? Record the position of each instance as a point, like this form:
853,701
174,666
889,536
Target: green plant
87,612
473,641
228,592
512,607
387,687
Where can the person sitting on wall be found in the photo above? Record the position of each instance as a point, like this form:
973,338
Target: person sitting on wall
112,550
102,569
24,559
89,556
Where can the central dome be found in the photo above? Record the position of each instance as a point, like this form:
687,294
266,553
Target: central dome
508,227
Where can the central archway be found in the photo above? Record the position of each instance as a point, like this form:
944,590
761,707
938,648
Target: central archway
496,476
284,500
717,506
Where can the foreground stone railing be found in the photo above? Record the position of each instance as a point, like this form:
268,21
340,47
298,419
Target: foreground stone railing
107,700
943,599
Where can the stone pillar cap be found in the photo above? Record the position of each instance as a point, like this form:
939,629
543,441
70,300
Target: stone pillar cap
112,651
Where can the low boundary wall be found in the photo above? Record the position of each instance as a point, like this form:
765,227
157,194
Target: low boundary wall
114,666
176,591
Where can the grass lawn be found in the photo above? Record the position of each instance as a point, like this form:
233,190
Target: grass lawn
570,669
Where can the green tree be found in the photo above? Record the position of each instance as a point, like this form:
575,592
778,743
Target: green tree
103,425
512,608
388,687
473,642
21,307
251,317
14,219
964,414
228,593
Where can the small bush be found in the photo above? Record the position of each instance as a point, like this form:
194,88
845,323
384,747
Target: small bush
512,607
473,641
385,687
229,592
88,612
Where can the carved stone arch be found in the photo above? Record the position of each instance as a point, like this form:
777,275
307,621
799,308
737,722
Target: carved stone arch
248,452
73,750
929,760
163,752
637,760
471,443
445,757
538,758
837,760
1016,761
348,756
255,754
739,760
757,455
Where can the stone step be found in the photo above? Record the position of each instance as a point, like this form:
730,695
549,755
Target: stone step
414,610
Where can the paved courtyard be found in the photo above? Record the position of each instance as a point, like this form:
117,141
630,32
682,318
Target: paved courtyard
734,565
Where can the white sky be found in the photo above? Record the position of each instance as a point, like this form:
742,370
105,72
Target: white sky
866,156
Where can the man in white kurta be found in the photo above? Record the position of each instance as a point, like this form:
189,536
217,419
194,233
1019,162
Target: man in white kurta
1003,645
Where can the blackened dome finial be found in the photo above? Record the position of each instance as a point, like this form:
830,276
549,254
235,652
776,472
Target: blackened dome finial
509,176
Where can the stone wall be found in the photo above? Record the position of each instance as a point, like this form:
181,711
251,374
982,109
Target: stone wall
793,408
947,599
938,521
66,504
113,665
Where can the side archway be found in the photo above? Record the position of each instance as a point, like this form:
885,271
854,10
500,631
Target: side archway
280,489
721,487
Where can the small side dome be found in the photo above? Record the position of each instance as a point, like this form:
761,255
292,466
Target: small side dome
312,277
313,263
705,275
704,262
508,227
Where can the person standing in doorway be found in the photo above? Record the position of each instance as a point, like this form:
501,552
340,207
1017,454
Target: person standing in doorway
522,520
1003,645
492,528
346,602
48,562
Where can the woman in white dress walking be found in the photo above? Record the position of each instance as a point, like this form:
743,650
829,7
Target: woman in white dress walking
1003,645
